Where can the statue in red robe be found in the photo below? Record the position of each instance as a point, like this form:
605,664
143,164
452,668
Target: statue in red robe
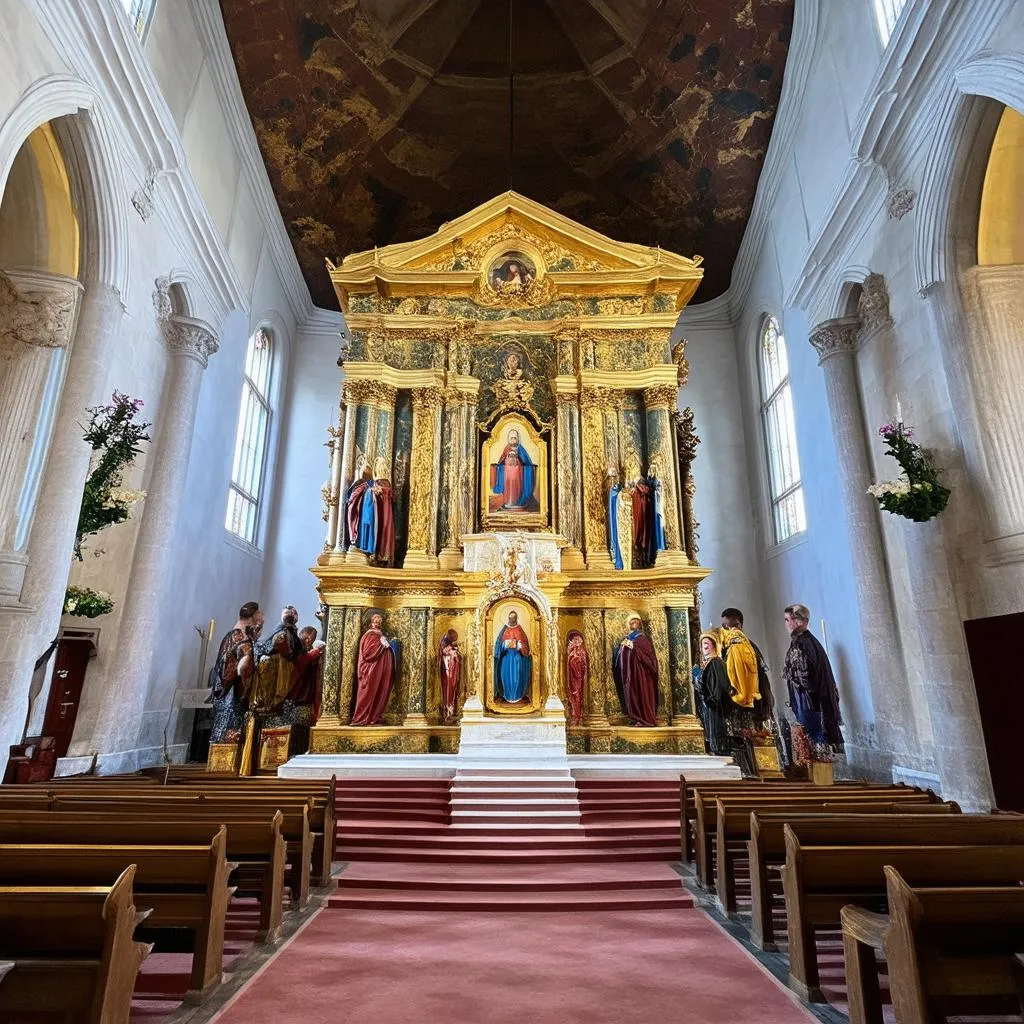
577,669
375,673
449,671
635,670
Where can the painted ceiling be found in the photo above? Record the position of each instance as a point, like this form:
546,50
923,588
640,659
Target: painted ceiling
379,120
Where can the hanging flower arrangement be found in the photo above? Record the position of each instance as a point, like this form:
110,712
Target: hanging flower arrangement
115,438
917,494
87,602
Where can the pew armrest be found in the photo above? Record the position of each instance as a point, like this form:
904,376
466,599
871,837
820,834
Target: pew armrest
867,927
6,966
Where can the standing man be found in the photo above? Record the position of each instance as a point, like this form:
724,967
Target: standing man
228,677
764,704
813,694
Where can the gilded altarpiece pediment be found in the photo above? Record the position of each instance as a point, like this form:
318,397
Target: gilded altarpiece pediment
512,376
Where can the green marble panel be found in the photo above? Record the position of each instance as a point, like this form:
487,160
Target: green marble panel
400,478
679,660
334,640
537,358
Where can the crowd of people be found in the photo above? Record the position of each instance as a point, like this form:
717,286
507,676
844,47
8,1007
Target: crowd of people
735,701
276,680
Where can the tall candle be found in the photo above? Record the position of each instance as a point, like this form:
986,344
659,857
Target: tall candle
899,411
824,636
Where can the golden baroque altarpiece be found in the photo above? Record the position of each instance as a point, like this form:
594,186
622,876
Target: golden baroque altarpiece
504,375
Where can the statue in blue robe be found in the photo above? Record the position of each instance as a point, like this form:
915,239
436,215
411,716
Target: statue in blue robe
512,662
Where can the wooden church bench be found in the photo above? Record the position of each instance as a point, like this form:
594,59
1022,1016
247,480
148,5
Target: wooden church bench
950,950
69,949
294,825
254,843
733,833
706,825
185,886
818,881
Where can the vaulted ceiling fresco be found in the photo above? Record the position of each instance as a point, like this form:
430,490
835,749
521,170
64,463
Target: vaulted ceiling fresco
379,120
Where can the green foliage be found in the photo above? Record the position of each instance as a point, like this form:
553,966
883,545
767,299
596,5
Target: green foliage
918,494
87,602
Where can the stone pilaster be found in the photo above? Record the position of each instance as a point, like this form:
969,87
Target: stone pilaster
836,342
51,540
189,343
424,477
595,516
994,307
37,314
660,405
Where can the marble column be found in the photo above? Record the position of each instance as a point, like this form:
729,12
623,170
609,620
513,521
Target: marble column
332,497
330,704
190,343
26,630
569,484
457,476
994,308
836,342
37,315
679,663
415,657
660,405
424,477
595,517
348,467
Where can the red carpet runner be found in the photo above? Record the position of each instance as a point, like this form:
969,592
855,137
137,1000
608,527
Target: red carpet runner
527,898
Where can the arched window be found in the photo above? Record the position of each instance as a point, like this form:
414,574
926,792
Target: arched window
887,13
140,14
251,439
787,493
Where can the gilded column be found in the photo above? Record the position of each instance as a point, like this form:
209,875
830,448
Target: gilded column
415,657
596,716
595,529
458,470
330,704
836,342
658,632
660,404
569,483
352,632
332,491
347,446
424,474
680,665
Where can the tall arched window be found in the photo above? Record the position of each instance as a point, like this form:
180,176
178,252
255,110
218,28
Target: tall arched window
887,13
251,439
140,14
787,492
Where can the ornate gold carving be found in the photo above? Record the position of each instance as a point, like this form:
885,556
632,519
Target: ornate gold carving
664,396
31,318
682,365
470,257
370,392
512,389
621,306
536,292
425,400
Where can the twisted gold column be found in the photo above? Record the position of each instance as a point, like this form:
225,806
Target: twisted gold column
424,476
660,404
595,516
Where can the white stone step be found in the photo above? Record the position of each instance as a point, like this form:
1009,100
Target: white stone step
514,792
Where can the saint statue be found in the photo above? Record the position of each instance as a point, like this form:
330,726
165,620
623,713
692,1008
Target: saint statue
370,516
375,673
623,512
512,662
577,671
512,389
354,503
513,476
276,659
657,534
449,672
232,673
711,688
635,670
613,488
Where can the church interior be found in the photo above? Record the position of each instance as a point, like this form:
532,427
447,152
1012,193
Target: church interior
511,510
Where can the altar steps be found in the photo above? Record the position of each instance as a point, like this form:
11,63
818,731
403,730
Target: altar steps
503,855
502,840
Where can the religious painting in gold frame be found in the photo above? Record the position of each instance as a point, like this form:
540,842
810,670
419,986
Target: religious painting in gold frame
502,660
514,476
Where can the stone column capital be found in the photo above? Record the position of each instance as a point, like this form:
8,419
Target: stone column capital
361,391
427,399
185,336
37,310
834,337
663,396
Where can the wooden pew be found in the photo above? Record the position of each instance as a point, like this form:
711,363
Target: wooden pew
294,822
949,951
819,881
706,816
69,949
733,825
320,809
254,843
186,887
766,848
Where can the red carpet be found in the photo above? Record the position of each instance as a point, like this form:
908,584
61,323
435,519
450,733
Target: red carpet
364,967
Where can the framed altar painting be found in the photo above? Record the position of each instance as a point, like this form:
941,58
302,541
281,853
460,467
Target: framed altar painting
514,476
513,656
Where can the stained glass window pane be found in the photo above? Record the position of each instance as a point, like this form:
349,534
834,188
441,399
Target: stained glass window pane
140,13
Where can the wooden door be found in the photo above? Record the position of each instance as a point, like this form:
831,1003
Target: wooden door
69,669
994,646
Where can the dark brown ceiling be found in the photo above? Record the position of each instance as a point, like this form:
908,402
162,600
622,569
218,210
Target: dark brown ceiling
379,120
